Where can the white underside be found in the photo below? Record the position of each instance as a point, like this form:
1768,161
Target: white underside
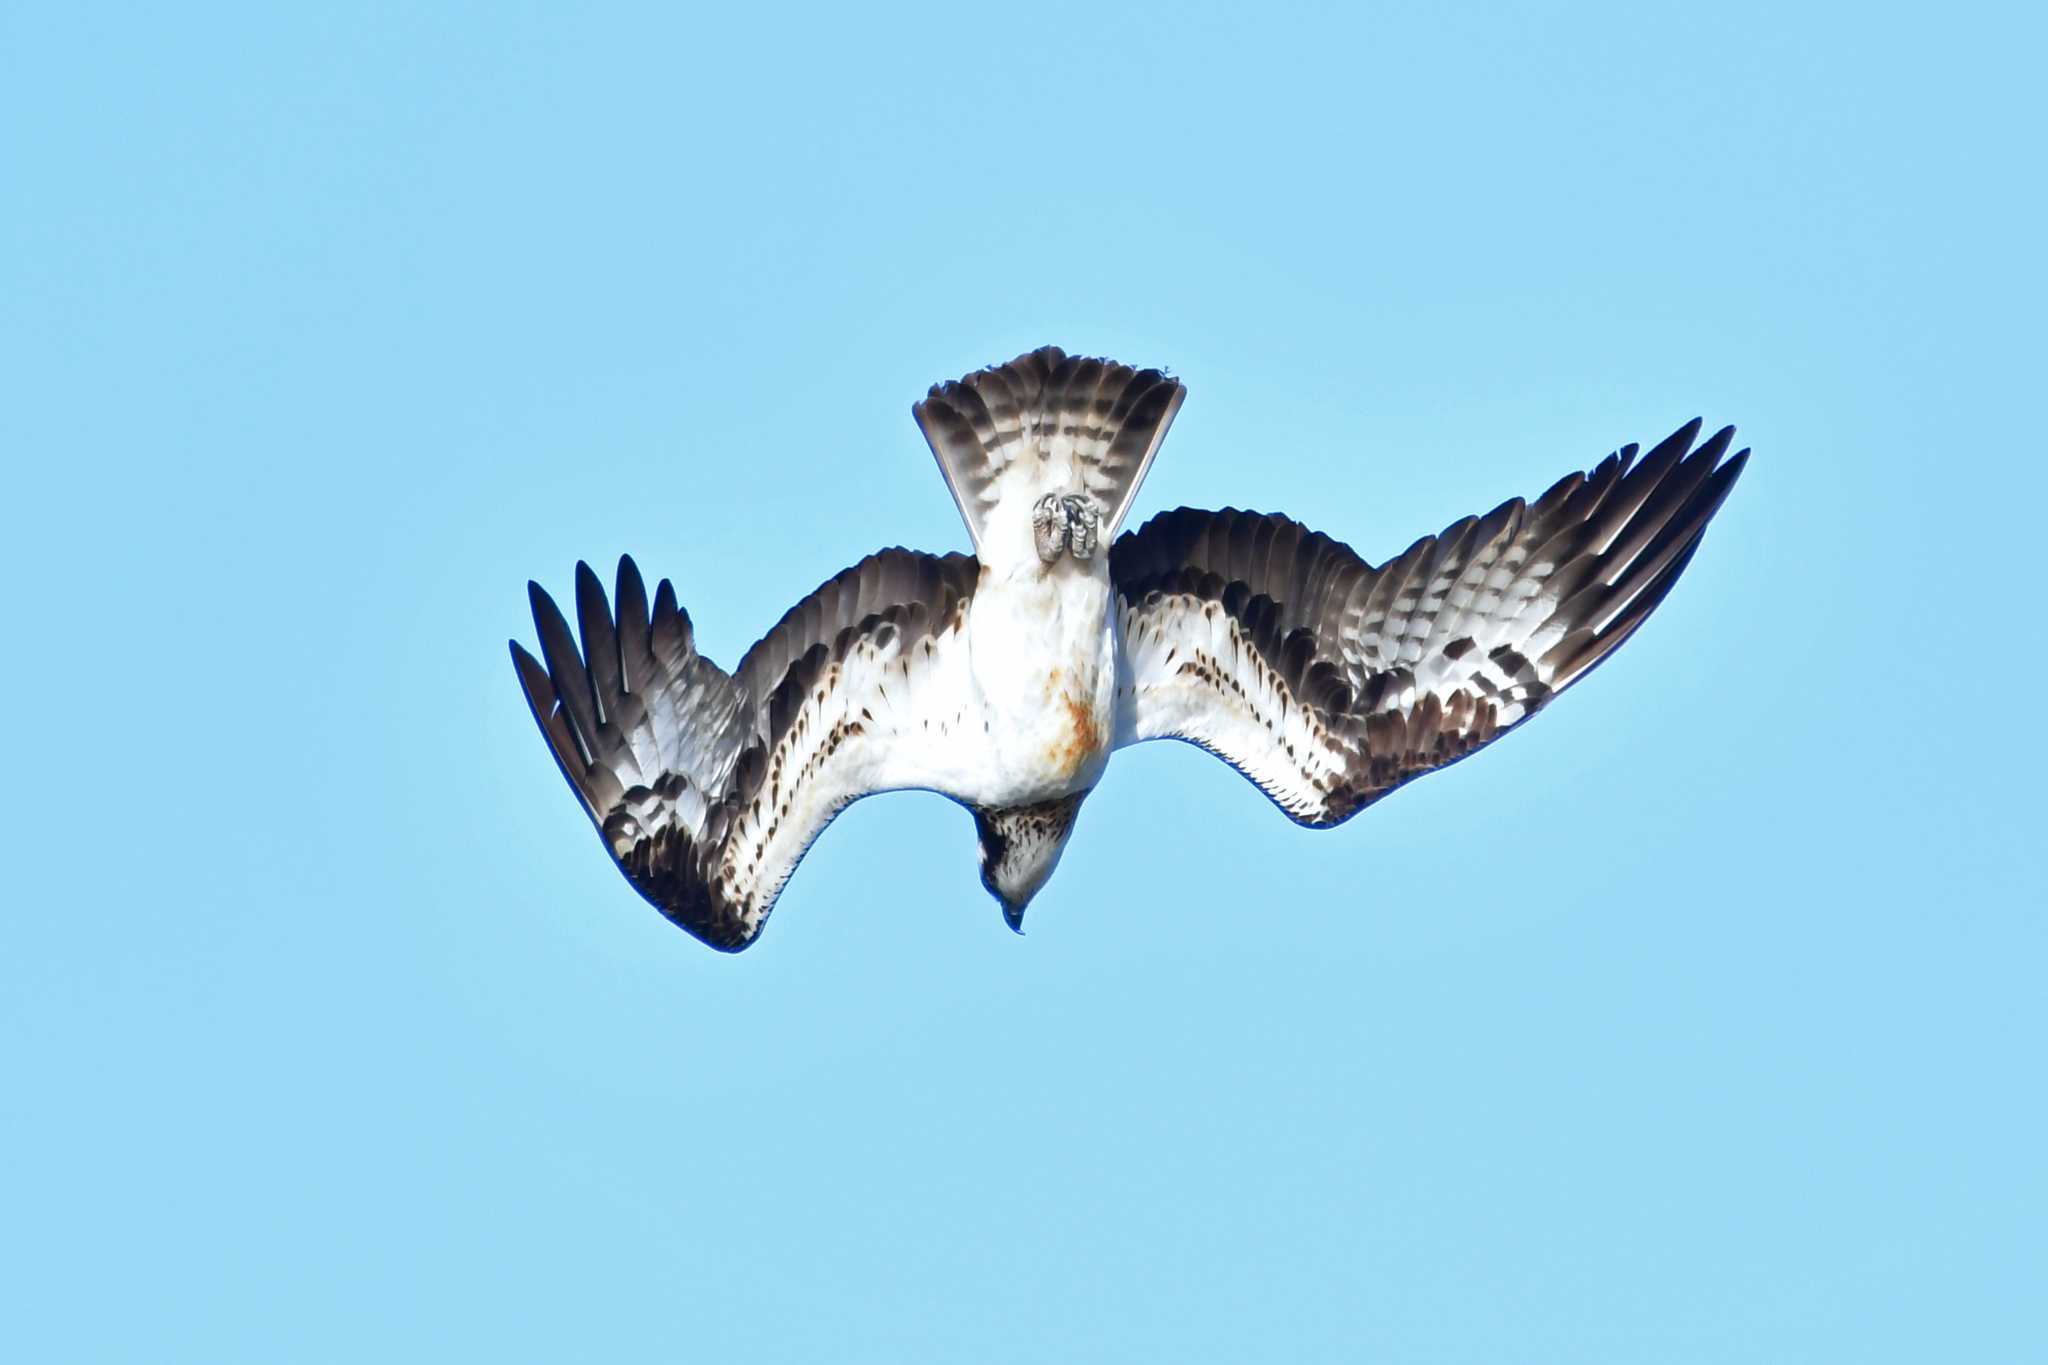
1042,658
1013,707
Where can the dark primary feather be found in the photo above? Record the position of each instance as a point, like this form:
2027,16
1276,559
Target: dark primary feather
1412,665
668,753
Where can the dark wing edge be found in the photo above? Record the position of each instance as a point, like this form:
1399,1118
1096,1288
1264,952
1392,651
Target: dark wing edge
707,787
1330,683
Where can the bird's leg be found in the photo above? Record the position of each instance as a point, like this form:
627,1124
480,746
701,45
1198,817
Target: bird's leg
1048,527
1083,523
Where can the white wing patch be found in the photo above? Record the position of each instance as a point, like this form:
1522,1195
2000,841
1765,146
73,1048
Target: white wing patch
1189,673
891,715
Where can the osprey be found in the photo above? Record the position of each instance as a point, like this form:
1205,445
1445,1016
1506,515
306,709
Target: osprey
1006,678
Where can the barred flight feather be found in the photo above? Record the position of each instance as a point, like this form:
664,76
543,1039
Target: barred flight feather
707,787
1330,683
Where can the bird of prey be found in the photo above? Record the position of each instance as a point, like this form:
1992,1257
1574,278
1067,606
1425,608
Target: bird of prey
1006,678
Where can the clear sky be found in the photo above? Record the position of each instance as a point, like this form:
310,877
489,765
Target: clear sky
1702,1020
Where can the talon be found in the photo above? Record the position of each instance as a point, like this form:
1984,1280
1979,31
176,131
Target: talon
1083,522
1048,527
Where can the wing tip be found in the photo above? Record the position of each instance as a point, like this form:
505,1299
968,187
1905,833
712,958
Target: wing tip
522,658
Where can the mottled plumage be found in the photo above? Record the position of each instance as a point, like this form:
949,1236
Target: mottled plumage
1330,683
1005,679
708,787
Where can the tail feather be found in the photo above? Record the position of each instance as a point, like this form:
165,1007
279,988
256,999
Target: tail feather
1010,426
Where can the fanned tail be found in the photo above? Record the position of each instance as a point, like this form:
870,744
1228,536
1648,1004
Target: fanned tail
1012,426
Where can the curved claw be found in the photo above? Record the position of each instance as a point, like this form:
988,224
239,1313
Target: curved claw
1083,524
1049,527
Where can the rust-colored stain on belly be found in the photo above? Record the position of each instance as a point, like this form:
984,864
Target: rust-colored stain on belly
1081,740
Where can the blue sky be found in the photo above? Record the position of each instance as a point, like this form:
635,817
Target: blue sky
1701,1020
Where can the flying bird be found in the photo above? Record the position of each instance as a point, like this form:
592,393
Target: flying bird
1006,678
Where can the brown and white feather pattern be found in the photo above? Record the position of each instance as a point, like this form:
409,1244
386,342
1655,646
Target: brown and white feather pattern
1330,683
997,430
707,787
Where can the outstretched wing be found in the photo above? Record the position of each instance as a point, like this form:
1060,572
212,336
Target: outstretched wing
1329,683
708,787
